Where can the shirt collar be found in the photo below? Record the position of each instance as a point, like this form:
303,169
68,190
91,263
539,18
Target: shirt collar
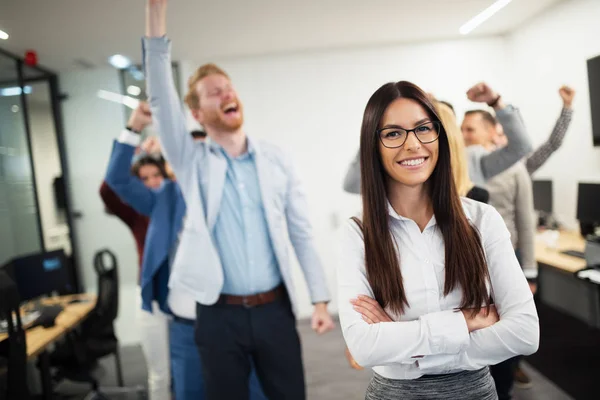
392,213
217,148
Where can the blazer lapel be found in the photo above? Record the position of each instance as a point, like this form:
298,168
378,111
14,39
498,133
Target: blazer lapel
217,168
264,180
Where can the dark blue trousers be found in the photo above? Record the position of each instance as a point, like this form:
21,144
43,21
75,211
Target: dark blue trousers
232,338
186,368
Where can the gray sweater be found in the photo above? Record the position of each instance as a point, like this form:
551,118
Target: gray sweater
483,165
512,195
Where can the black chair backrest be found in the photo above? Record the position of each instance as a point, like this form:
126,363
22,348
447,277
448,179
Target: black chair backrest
16,346
107,304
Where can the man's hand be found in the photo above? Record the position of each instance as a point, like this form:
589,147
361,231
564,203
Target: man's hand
352,361
370,310
532,287
151,145
321,320
481,320
482,93
140,118
566,94
156,18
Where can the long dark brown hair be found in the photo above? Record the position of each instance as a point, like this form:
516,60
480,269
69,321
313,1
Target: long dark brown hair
465,264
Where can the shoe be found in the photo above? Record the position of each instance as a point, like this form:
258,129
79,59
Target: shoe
522,381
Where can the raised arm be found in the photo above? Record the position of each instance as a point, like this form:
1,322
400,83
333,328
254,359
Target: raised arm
509,117
129,188
166,108
444,332
543,153
352,179
517,332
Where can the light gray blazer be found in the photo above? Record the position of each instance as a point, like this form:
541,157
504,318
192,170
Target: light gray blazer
200,172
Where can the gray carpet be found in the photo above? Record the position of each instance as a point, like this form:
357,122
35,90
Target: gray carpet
328,375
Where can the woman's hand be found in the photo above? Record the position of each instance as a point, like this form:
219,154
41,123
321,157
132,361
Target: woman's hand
487,316
370,310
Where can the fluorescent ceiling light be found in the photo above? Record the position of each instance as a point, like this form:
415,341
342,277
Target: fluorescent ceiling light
14,91
134,90
483,16
3,35
118,98
118,61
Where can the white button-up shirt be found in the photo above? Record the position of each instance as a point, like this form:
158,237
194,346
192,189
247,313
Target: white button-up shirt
431,326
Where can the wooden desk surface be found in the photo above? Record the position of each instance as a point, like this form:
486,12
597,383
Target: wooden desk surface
39,338
553,256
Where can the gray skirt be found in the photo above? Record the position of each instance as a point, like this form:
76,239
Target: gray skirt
465,385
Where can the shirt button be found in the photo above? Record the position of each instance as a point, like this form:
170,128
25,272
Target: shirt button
241,186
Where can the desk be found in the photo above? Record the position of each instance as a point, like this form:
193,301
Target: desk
39,338
567,240
558,286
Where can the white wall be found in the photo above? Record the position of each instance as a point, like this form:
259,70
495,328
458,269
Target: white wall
311,104
546,53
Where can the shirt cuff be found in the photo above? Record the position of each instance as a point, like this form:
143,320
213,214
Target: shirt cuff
530,273
447,331
508,109
130,138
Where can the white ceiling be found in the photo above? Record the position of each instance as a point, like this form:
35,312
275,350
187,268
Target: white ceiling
64,30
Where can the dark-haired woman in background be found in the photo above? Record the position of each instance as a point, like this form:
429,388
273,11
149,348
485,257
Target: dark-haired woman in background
418,273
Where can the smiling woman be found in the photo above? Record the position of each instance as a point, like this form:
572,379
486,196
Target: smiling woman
417,272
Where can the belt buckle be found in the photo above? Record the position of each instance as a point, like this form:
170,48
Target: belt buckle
246,302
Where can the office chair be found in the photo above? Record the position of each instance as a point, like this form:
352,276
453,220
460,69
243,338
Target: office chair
77,357
14,349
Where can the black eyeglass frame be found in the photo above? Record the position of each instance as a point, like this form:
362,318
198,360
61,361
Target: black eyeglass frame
437,126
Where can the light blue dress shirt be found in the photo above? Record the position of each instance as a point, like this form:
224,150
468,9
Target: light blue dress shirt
241,233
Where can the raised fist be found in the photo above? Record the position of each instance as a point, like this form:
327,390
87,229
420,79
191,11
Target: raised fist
482,93
566,94
151,145
141,117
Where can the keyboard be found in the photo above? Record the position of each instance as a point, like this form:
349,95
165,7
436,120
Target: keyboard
574,253
26,320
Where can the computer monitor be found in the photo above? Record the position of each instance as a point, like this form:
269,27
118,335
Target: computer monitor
588,201
40,274
542,196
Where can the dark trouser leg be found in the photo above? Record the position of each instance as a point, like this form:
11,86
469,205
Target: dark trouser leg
504,377
277,353
223,337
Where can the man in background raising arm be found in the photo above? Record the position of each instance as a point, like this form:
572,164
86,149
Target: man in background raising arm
243,201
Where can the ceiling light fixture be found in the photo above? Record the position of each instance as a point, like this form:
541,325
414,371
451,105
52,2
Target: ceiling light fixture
119,61
483,16
3,35
118,98
14,91
134,90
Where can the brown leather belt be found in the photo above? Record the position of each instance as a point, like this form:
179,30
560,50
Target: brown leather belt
253,300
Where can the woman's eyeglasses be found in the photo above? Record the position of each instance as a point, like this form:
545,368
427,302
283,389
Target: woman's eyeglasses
395,137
